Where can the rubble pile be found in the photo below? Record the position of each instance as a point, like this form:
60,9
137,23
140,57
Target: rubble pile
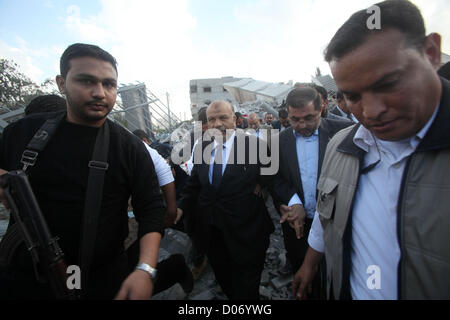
259,107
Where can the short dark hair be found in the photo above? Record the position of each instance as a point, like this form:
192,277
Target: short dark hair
300,97
396,14
141,134
238,114
202,115
283,114
323,92
444,71
46,103
79,50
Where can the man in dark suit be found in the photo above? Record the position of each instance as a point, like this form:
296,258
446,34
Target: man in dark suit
283,122
232,224
341,109
301,154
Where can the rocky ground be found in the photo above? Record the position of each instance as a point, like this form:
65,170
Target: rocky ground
276,278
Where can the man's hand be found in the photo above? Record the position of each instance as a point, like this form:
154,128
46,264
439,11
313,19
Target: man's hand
302,284
295,215
171,216
179,215
170,198
258,191
2,196
137,286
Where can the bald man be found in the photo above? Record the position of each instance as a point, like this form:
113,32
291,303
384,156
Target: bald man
232,224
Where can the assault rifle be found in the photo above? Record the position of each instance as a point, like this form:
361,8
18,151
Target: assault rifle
46,254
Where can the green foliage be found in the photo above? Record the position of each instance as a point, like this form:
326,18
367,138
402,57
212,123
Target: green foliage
16,89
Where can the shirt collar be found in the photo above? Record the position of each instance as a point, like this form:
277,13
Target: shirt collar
427,126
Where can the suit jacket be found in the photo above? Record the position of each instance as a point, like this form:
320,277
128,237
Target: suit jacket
232,207
334,116
276,124
288,180
334,110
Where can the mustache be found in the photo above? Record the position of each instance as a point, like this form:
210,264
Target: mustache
97,102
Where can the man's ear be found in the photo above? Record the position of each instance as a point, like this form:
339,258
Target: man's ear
432,49
61,82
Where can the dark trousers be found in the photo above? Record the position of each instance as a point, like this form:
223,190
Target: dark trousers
296,248
239,281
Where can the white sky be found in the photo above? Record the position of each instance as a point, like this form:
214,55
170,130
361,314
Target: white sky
167,43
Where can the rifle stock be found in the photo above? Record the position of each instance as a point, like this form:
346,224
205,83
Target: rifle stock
47,256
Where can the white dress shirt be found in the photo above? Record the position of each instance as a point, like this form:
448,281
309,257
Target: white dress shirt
162,169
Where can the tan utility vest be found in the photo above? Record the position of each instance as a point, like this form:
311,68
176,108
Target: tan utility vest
423,217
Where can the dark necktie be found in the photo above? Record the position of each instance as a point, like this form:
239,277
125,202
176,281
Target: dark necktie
217,167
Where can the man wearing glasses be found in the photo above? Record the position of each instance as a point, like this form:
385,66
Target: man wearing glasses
302,148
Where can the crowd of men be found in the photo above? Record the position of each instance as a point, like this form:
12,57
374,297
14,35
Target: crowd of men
361,188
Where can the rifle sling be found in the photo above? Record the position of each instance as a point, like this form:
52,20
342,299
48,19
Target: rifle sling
40,140
93,201
94,193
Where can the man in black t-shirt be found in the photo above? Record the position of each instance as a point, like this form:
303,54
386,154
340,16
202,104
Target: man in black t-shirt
59,179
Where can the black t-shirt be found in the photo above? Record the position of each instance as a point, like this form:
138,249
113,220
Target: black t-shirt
59,181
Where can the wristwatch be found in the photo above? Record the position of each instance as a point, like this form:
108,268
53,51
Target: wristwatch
147,268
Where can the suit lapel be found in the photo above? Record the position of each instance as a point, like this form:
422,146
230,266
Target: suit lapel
292,159
231,159
203,168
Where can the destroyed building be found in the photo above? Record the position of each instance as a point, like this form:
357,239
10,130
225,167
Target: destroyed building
203,91
257,96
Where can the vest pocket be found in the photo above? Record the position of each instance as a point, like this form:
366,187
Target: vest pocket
326,199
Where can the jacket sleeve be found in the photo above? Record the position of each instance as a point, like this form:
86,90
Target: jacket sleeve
191,190
267,173
146,198
281,190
